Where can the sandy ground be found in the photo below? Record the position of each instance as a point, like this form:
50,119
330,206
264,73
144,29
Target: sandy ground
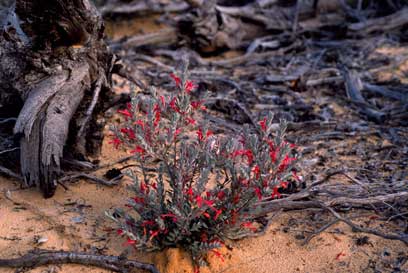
74,220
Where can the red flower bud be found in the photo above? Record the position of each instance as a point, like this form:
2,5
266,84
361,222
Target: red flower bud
257,171
262,123
217,213
125,112
189,86
116,142
275,193
258,193
176,79
138,150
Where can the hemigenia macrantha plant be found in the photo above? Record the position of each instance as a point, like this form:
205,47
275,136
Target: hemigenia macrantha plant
194,189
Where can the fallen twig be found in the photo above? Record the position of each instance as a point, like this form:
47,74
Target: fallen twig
43,257
385,23
98,180
9,150
10,173
320,230
355,227
166,36
5,120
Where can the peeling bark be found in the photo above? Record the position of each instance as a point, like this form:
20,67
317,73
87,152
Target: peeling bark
52,60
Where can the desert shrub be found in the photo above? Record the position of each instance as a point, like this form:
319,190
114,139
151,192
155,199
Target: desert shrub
193,189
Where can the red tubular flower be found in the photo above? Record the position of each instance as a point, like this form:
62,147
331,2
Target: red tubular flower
119,231
153,234
163,101
129,106
130,242
198,105
116,142
138,150
140,123
195,104
273,155
285,163
199,201
189,86
191,121
176,79
217,213
189,192
262,123
156,118
154,186
200,134
129,132
174,106
207,215
125,112
247,153
143,188
209,203
257,171
258,193
177,132
275,193
221,195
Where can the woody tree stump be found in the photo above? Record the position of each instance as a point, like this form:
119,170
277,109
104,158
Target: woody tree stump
54,76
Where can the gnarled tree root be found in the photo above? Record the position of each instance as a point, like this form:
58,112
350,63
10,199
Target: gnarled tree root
44,257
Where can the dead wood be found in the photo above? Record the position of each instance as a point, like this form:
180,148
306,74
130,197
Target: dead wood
166,36
113,8
10,173
354,86
59,66
358,228
386,23
40,257
98,180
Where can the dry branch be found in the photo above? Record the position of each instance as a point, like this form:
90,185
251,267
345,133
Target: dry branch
355,227
166,36
392,21
44,257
